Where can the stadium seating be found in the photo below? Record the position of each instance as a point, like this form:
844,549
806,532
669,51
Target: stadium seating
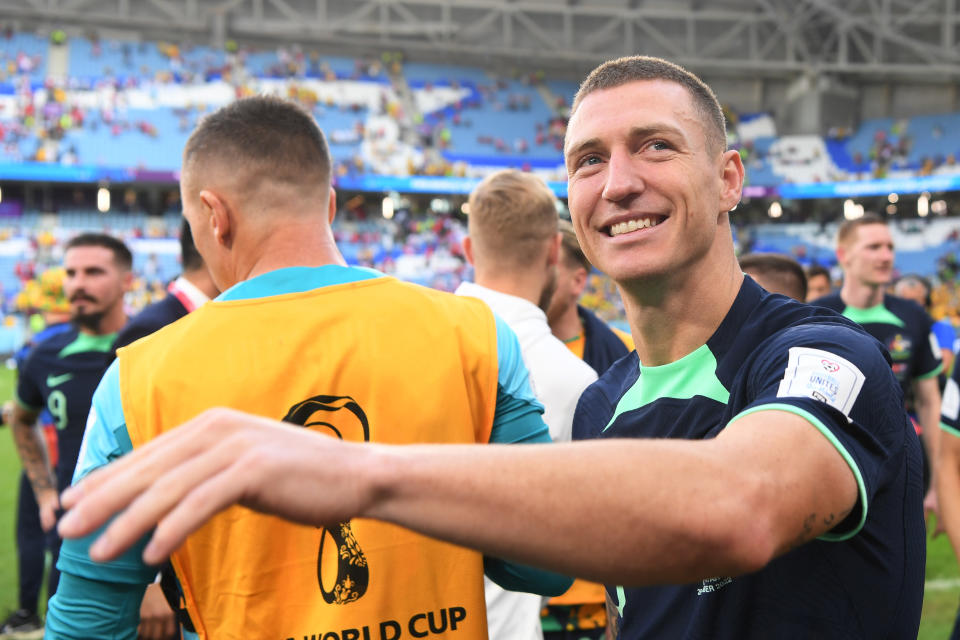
476,119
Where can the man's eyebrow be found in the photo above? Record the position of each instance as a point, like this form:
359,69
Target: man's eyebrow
582,146
657,128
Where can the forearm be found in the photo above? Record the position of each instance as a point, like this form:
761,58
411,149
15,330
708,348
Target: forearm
32,449
495,498
928,413
749,494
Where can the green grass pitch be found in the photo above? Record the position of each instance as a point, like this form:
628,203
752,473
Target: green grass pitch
939,606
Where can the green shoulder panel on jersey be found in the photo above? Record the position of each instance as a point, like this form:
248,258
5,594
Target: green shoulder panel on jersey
878,314
86,342
695,374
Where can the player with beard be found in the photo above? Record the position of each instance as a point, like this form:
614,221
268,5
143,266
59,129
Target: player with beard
514,246
62,372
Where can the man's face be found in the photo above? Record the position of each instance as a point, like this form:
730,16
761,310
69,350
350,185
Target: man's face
868,256
94,284
645,193
911,291
817,287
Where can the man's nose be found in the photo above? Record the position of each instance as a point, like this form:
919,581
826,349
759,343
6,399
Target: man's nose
623,176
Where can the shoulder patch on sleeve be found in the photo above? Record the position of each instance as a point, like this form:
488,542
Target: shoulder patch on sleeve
823,376
950,406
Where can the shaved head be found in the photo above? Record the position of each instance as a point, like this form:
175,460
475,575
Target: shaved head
259,149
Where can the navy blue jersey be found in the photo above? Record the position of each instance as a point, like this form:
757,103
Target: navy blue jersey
60,375
152,318
864,579
904,328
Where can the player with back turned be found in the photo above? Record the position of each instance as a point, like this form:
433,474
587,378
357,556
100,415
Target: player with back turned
348,353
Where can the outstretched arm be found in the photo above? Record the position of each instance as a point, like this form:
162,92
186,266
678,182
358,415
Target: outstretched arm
769,482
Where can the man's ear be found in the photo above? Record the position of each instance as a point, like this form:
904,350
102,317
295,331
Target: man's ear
332,206
219,216
468,249
580,278
128,281
732,178
553,251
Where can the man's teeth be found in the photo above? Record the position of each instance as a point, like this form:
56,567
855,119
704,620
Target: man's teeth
632,225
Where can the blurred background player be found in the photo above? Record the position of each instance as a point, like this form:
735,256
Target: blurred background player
819,283
865,253
514,247
62,372
777,274
586,335
917,288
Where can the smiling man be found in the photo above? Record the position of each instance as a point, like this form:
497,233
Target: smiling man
62,372
753,460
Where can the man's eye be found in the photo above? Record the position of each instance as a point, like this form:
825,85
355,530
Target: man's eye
660,145
589,160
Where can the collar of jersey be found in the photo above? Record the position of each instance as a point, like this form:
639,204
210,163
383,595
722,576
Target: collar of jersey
296,280
878,314
85,342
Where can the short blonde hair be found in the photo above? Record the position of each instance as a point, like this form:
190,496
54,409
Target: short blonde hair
847,232
511,216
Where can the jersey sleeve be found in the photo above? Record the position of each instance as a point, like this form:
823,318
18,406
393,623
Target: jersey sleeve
84,608
946,334
950,404
29,393
87,585
837,379
929,358
517,418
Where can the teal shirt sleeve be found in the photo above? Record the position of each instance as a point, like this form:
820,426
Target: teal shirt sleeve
85,608
99,590
518,417
518,420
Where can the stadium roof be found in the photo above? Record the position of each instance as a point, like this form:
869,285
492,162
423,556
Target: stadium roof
896,39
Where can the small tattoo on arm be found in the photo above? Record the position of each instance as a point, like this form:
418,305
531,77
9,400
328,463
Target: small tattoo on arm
807,530
33,457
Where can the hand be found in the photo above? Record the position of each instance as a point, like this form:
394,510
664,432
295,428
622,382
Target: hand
157,621
931,507
49,503
222,457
